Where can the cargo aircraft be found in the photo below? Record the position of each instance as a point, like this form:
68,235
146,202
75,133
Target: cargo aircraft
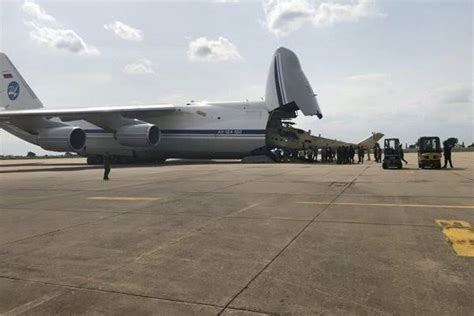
206,130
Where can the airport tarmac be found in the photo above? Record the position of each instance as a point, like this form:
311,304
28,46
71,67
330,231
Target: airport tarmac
232,238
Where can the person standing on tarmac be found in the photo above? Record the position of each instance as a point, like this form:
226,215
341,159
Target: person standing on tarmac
447,147
376,153
360,154
402,154
106,166
351,154
380,152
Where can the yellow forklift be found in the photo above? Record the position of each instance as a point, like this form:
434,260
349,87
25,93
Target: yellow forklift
429,152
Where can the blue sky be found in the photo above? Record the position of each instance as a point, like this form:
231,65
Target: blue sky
400,67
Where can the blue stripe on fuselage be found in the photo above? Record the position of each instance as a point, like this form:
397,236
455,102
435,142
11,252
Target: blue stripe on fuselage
277,83
229,132
214,131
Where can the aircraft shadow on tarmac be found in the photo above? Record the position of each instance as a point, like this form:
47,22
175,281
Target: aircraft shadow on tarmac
51,169
79,167
35,164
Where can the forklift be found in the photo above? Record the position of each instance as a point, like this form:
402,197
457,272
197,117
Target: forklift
391,154
429,152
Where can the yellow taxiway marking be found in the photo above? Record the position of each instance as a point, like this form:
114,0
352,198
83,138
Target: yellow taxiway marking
391,205
123,198
452,224
460,235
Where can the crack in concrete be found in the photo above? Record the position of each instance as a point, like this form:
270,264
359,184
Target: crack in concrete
298,234
87,288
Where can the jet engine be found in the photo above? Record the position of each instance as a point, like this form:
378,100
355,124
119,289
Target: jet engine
64,138
138,135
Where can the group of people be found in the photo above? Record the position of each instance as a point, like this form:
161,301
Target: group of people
340,155
346,154
327,154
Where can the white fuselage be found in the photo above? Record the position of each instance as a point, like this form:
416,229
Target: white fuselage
197,130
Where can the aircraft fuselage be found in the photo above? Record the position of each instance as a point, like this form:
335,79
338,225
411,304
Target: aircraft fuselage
198,130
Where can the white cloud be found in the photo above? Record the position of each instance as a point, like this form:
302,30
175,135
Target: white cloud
207,50
329,13
36,12
125,31
141,67
54,36
63,39
285,16
226,1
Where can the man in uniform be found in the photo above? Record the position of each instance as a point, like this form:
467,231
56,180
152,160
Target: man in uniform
106,166
360,154
447,147
402,154
380,152
376,152
351,154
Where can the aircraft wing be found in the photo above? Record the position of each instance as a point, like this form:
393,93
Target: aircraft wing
321,141
367,143
83,113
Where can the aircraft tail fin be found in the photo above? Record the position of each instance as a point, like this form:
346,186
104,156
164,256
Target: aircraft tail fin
370,141
287,85
15,94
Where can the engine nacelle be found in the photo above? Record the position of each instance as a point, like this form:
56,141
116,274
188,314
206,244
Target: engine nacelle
64,138
138,135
